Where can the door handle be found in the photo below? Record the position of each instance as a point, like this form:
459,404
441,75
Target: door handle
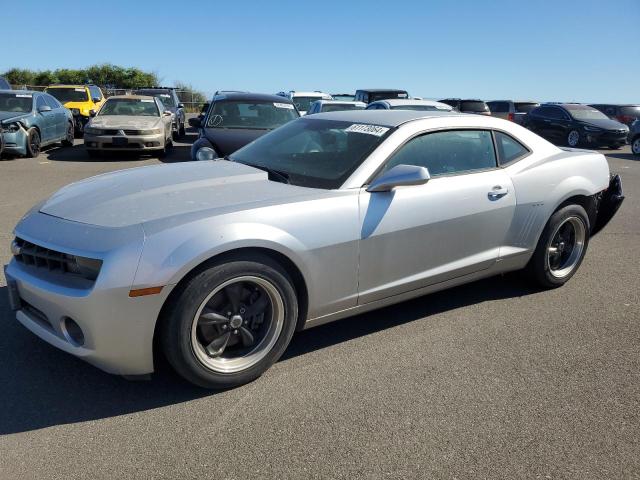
497,192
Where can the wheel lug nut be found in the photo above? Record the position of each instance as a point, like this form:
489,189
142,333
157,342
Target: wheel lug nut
235,332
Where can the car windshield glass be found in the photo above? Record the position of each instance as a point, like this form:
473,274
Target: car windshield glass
314,153
70,94
344,98
374,97
525,107
633,111
165,97
339,107
473,106
580,112
303,103
130,106
419,108
250,114
16,102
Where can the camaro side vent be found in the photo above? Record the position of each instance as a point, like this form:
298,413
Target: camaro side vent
34,255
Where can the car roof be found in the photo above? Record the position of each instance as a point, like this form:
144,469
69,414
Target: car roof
260,97
376,90
384,118
339,102
134,97
23,92
513,101
411,101
71,85
309,94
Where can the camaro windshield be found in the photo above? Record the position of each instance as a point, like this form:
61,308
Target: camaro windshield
130,106
313,153
70,94
165,97
580,112
250,115
15,102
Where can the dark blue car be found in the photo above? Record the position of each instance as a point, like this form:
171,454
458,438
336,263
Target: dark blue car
31,120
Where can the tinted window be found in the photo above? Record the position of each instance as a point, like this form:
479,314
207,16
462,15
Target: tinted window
69,94
95,92
314,153
386,95
452,103
52,102
250,114
499,107
443,153
556,113
524,107
471,106
509,149
164,95
339,107
633,111
583,112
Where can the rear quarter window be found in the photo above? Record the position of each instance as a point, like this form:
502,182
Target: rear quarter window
510,150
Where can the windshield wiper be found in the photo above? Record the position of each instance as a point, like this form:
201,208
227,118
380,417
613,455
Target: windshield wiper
280,176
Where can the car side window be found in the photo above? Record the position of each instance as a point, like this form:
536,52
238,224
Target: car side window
498,107
40,102
95,92
448,152
509,149
52,102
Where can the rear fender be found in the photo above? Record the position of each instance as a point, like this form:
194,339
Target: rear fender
608,204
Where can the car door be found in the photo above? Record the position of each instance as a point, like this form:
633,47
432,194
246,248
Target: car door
166,119
46,120
60,127
558,125
449,227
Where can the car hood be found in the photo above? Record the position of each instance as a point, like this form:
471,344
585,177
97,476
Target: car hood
606,123
228,140
5,116
79,105
145,194
125,121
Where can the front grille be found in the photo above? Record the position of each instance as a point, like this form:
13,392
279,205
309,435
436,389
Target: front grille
108,132
31,254
132,132
37,315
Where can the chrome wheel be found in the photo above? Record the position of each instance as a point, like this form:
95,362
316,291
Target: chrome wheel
565,249
635,146
237,324
573,138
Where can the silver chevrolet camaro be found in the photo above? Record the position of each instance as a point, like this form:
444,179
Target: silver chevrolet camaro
220,262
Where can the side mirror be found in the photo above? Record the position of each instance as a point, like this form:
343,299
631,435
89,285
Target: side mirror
44,108
181,105
167,113
92,113
96,99
195,122
400,176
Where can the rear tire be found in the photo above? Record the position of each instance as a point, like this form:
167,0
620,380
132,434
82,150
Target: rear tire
561,247
573,138
33,143
212,353
635,145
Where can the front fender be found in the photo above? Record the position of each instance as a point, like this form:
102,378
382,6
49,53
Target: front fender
169,255
198,144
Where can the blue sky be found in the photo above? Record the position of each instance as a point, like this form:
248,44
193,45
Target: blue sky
542,50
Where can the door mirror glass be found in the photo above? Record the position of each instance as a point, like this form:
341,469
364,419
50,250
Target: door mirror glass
167,113
44,108
181,105
400,176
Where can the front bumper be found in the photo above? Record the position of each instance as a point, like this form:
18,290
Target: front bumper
137,143
15,142
606,138
118,330
79,122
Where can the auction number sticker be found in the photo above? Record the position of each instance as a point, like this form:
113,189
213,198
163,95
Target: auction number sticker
368,129
144,100
79,89
23,95
283,105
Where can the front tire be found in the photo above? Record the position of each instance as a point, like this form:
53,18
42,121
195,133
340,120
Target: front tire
71,136
230,322
561,247
33,143
573,138
635,145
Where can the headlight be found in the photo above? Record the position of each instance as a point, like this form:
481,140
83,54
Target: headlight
12,127
150,132
92,131
206,153
592,129
75,111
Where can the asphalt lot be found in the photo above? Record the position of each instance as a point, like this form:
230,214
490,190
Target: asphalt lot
489,380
